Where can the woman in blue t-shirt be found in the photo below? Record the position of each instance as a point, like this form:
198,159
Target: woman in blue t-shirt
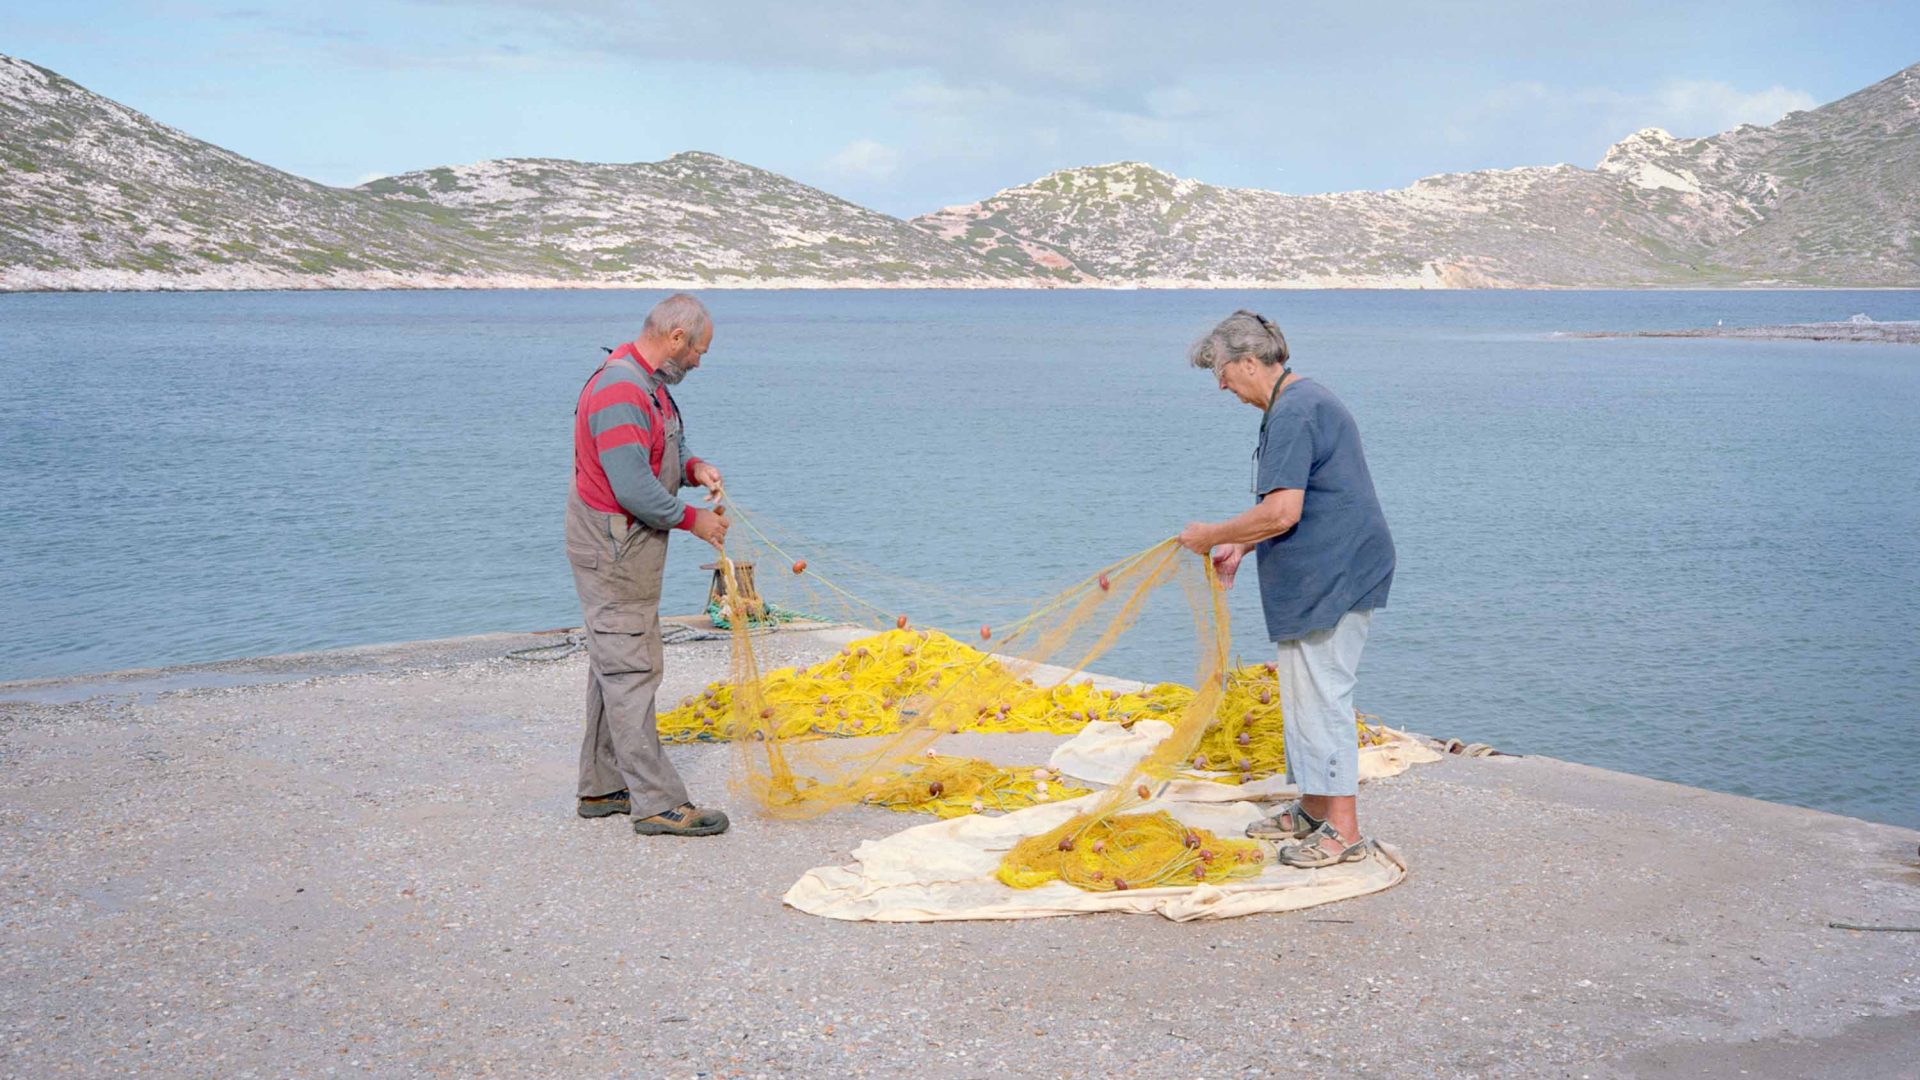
1326,562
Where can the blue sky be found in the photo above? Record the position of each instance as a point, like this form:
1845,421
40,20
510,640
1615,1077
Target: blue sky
907,106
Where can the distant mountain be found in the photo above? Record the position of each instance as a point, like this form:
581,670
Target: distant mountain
95,195
1830,196
1826,197
693,217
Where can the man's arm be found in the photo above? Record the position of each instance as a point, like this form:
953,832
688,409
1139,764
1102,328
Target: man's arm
687,461
699,472
622,430
640,492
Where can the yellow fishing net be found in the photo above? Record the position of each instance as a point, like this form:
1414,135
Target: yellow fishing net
1117,852
870,686
951,786
873,686
859,727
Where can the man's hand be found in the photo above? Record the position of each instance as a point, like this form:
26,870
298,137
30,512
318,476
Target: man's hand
1197,537
710,527
1226,562
706,476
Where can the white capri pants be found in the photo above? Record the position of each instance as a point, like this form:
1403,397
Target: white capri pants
1317,673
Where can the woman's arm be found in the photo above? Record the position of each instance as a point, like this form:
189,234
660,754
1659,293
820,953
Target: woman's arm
1274,515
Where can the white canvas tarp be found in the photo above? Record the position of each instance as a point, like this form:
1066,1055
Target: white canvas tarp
944,870
1103,753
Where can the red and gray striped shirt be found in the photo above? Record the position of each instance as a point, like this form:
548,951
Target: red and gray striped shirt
620,432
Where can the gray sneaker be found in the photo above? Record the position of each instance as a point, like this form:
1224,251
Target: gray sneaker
592,806
683,820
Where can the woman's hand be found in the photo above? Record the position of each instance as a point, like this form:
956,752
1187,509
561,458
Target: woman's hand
1197,537
1226,562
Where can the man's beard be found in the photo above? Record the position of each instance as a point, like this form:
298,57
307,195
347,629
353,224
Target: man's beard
670,372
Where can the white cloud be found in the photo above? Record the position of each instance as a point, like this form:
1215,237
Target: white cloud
1098,49
865,159
1531,122
1176,103
958,123
948,100
1698,107
1685,107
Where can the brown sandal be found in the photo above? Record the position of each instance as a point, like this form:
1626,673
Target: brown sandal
1298,824
1309,855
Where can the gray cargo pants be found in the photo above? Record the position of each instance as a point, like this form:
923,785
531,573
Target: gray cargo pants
617,570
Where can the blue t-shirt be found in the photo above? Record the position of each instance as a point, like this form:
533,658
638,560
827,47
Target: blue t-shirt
1339,558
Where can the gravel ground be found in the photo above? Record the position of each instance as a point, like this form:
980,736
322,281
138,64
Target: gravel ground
367,862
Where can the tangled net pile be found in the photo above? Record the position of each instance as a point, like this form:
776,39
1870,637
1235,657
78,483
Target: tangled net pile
1117,852
951,786
793,728
873,685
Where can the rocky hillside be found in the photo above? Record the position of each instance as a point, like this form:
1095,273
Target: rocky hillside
1830,196
1132,223
96,195
693,217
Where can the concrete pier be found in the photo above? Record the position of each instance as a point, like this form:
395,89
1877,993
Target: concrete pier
367,863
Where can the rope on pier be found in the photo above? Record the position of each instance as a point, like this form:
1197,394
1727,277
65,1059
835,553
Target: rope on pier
547,654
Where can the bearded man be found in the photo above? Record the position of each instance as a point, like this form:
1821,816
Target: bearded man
629,459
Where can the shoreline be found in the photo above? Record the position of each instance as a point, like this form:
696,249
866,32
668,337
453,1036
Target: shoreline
813,285
369,858
1860,333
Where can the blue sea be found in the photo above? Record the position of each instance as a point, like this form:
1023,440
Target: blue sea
1692,559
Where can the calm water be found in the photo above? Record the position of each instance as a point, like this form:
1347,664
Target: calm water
1697,560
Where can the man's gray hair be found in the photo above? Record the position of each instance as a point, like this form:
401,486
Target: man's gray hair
1243,333
681,311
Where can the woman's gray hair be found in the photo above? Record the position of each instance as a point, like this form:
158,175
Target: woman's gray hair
681,311
1243,333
